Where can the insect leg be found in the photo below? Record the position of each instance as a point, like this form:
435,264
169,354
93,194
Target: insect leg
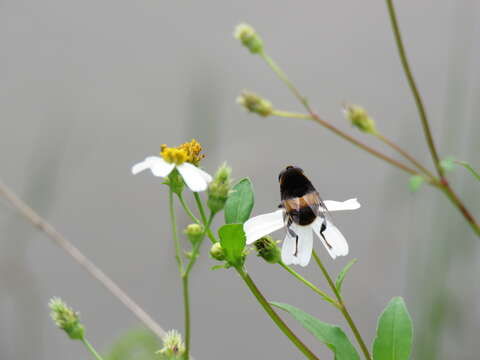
322,229
292,234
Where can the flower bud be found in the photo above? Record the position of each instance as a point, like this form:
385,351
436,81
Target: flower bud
216,252
66,319
267,248
249,38
219,188
255,104
175,181
359,118
194,232
173,346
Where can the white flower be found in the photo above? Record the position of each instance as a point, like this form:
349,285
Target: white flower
335,243
195,178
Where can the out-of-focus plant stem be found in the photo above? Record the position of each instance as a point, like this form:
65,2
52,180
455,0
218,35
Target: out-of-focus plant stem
343,308
446,188
91,349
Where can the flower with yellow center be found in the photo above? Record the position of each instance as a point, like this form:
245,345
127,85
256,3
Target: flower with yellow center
184,158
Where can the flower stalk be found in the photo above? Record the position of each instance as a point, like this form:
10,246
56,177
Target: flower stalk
274,316
343,308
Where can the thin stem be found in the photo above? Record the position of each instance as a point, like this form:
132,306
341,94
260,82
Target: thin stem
186,305
173,220
343,307
91,349
292,115
187,209
203,216
274,316
448,191
271,63
323,294
405,155
40,223
413,87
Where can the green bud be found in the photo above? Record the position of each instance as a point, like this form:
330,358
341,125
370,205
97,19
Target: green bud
219,188
255,104
66,319
173,346
175,181
267,248
249,38
194,232
359,118
216,252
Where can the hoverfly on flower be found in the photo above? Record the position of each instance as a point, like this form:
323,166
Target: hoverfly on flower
302,212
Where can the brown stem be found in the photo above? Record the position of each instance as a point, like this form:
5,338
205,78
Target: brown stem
36,220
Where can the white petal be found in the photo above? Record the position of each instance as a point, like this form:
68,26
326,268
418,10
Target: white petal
288,250
351,204
336,244
301,256
157,165
194,177
262,225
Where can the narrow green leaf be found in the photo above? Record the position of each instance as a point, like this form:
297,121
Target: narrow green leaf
448,164
415,182
469,167
232,239
330,335
240,202
394,332
341,275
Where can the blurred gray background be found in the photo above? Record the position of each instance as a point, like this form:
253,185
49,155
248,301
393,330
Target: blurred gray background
90,87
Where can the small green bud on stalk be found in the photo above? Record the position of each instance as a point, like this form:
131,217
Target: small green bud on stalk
175,181
194,232
268,249
219,188
255,104
359,118
173,346
216,252
66,319
249,38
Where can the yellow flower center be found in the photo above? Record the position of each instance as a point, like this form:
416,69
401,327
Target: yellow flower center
187,152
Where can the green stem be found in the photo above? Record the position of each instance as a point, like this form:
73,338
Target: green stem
310,285
274,316
424,119
186,305
187,209
292,115
203,216
343,307
413,87
173,219
91,349
326,124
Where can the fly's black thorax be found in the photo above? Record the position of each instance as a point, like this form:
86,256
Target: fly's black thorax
296,191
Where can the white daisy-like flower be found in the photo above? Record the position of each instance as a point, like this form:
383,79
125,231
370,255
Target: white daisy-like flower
183,159
300,254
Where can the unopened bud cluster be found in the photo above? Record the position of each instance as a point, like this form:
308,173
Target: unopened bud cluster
267,248
216,252
194,232
255,104
66,319
249,38
173,346
219,188
359,118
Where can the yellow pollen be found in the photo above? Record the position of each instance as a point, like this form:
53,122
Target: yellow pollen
187,152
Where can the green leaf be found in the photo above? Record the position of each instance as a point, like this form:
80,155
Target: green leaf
330,335
467,166
448,164
341,275
137,344
240,202
394,332
233,240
